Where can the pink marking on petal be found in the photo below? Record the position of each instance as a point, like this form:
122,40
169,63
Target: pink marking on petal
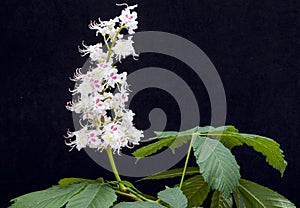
92,135
102,65
97,101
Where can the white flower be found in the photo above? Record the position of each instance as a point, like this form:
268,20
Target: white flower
96,78
128,19
124,48
78,106
93,139
105,120
132,133
77,75
85,88
112,77
94,102
81,138
104,27
128,116
100,104
96,52
112,135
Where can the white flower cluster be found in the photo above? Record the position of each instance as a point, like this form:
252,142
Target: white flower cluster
105,120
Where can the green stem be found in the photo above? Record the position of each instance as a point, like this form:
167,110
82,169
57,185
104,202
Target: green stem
186,161
105,41
140,195
113,43
114,168
123,189
108,150
128,195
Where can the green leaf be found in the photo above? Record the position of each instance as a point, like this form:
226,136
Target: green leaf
230,137
218,201
171,139
172,173
225,128
167,134
68,181
184,136
196,190
239,203
254,195
268,147
54,197
180,138
138,205
227,135
173,197
153,148
217,164
179,141
94,195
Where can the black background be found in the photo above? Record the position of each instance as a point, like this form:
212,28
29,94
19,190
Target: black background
253,44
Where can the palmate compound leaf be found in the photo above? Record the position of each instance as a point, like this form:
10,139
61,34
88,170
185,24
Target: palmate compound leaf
138,205
250,194
54,197
174,139
227,135
218,201
172,173
173,197
94,195
266,146
217,164
230,137
196,190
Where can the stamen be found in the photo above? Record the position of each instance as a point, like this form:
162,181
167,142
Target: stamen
122,4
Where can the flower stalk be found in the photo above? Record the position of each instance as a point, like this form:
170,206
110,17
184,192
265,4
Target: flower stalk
113,43
102,130
112,163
